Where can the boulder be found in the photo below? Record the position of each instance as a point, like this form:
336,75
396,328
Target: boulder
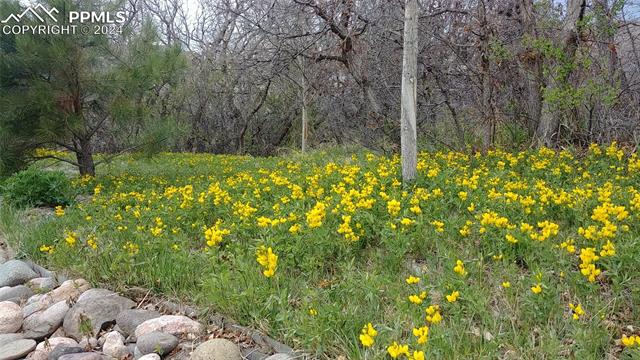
156,342
95,312
280,356
44,323
10,317
114,345
217,349
69,290
62,349
15,272
81,356
128,320
7,338
177,325
42,284
16,294
150,357
17,349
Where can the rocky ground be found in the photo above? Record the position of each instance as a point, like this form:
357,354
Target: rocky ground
45,316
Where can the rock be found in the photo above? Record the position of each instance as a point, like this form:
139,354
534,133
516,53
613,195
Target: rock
34,298
16,294
69,290
280,356
37,355
94,294
90,343
44,348
172,324
44,323
81,356
128,320
15,272
131,347
62,350
97,311
217,349
114,345
149,357
7,338
252,354
42,272
156,342
10,317
42,284
58,333
17,349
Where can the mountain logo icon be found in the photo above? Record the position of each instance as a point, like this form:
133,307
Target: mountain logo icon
39,12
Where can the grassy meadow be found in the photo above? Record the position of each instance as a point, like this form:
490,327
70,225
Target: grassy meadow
528,255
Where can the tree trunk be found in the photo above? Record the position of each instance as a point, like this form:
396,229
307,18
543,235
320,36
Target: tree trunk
531,61
84,155
488,113
408,135
303,90
550,120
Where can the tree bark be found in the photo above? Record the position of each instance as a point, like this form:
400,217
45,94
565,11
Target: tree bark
303,90
408,135
531,61
84,155
550,120
488,115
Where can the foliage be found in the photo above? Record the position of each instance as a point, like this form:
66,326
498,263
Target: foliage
34,187
517,254
62,90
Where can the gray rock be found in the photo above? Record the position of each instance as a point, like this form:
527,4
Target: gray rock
62,349
280,356
42,272
58,333
42,284
217,349
10,317
97,311
177,325
128,320
156,342
16,294
149,357
44,348
114,345
253,354
90,343
50,344
69,290
17,349
15,272
81,356
131,347
44,323
94,294
7,338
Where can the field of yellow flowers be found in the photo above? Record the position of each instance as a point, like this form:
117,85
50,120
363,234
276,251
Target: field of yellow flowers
525,255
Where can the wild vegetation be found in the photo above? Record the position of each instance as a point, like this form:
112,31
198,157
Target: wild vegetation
512,234
256,77
499,255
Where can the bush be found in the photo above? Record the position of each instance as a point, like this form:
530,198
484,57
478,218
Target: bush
33,187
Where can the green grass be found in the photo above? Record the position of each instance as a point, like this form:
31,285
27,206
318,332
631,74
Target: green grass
350,283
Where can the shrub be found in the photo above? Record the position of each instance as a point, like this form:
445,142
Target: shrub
33,187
